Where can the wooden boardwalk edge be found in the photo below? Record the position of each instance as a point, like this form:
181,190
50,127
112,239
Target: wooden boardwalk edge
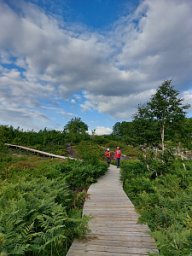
39,151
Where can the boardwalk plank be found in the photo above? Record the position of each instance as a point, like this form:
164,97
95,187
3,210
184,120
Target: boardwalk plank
114,227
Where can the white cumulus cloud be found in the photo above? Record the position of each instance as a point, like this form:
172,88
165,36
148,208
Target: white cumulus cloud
43,61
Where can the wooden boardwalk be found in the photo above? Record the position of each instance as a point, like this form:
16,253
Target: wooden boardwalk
114,227
38,151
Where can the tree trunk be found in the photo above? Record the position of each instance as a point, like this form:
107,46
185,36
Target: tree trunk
181,155
162,136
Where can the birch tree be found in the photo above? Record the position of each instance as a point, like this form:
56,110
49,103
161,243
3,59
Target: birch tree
165,107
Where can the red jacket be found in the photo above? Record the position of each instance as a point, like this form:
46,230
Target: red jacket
107,154
118,153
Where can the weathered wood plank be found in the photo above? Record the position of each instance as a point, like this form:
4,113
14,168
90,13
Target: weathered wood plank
114,227
128,243
39,151
113,249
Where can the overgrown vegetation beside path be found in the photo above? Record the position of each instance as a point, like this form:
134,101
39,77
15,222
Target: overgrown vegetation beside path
164,201
41,199
41,203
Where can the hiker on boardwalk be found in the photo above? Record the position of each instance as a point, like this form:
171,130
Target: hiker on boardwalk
108,156
118,156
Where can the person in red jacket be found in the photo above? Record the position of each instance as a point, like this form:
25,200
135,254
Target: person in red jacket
118,156
108,156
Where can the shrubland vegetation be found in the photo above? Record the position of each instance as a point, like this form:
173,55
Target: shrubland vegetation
159,182
41,203
164,202
41,199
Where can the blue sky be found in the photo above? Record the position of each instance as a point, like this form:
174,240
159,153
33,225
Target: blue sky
93,59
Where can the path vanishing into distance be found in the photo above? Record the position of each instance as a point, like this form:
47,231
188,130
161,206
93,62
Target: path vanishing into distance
114,227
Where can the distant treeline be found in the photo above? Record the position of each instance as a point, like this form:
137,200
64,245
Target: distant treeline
140,132
133,133
160,122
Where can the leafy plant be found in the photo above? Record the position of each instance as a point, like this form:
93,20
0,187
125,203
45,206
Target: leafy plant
164,203
40,202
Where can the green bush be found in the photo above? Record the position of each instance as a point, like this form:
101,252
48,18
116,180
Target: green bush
41,204
164,203
34,217
83,175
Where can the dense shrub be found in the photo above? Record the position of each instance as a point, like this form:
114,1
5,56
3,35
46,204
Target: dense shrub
41,204
164,203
